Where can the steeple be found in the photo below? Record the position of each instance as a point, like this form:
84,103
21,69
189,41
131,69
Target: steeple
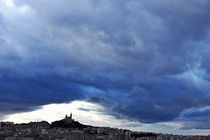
71,115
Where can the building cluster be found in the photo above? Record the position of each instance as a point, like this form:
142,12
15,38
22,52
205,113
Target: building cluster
44,131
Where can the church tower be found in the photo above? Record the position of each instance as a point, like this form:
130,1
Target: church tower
71,116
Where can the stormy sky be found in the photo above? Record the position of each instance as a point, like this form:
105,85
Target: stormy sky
141,60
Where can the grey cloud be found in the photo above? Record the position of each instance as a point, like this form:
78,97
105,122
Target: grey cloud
134,52
195,118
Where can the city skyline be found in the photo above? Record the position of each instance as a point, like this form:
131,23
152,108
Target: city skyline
70,129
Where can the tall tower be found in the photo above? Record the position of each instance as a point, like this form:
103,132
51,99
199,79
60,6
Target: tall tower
71,116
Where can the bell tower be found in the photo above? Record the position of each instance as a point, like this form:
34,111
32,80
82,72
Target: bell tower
71,116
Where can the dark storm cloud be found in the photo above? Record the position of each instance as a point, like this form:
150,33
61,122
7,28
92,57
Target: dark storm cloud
145,60
160,99
27,93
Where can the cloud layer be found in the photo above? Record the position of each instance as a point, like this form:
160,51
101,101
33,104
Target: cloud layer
145,60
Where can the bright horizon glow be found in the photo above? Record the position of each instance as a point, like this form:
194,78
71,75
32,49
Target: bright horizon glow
94,114
84,112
